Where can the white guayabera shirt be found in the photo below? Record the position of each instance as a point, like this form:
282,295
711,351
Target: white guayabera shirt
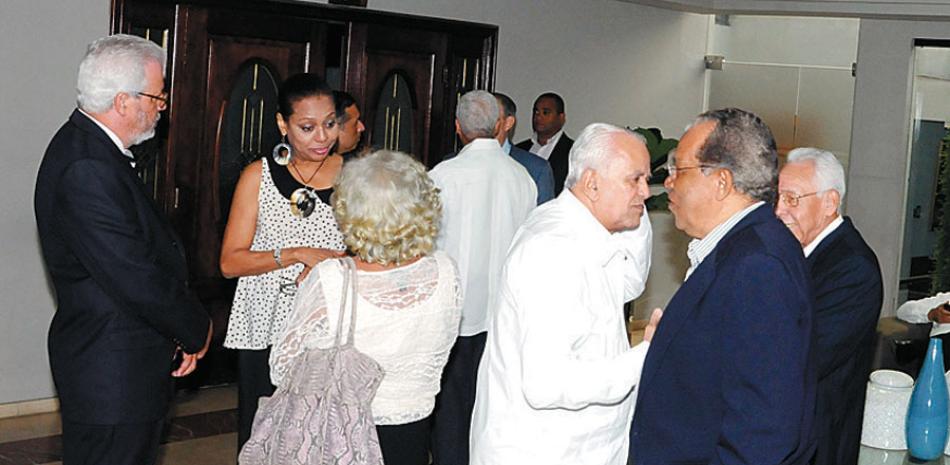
485,196
556,383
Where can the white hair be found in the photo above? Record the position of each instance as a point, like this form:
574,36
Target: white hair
387,207
477,114
592,150
829,174
113,65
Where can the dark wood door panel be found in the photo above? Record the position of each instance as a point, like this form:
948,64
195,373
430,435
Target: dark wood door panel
229,58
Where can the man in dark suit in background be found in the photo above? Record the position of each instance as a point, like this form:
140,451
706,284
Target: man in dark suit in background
538,168
549,140
729,377
848,296
124,310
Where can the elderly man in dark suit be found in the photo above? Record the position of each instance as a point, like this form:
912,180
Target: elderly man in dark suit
729,377
549,140
848,296
124,309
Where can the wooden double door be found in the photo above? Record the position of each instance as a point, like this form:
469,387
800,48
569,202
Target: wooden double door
225,63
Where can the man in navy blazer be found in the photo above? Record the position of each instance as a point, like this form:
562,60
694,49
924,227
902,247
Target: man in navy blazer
848,294
729,377
549,141
124,310
538,168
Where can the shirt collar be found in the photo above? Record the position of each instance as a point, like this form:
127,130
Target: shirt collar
699,249
115,139
552,141
482,143
822,235
603,244
507,146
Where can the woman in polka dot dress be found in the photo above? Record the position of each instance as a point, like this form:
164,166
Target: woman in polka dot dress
280,225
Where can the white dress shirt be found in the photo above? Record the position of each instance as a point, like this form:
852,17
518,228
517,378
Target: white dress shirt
485,195
822,235
554,385
915,311
544,151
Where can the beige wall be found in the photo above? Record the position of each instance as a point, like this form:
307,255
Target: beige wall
41,44
611,61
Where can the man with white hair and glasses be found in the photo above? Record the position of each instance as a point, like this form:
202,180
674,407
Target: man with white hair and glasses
846,280
556,384
485,196
124,310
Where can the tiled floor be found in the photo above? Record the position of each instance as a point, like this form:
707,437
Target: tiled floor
201,431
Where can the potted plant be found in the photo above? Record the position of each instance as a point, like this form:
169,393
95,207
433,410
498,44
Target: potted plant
659,148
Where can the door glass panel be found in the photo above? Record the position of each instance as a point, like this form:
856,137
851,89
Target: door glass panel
392,128
248,130
925,259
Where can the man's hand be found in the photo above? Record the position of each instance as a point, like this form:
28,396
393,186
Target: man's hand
190,361
939,314
651,326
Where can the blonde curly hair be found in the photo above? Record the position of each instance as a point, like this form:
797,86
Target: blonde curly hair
387,207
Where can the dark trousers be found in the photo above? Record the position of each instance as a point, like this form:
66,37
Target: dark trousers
452,418
127,444
253,383
406,444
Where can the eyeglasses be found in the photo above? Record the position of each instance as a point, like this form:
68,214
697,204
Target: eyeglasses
791,200
674,170
161,98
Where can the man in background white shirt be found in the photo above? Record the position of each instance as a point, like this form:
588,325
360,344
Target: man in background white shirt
486,195
555,384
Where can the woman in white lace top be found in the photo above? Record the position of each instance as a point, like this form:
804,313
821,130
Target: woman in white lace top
408,308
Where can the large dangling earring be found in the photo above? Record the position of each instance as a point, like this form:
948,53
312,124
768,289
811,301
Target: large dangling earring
283,152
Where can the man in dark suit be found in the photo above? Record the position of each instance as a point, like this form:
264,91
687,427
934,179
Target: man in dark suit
729,377
549,140
124,310
538,168
848,292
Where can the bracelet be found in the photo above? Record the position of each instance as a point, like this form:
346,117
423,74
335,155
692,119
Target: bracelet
277,258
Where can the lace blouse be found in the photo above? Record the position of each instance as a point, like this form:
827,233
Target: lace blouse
407,319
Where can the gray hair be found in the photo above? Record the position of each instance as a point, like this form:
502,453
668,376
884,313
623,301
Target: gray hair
743,144
829,174
387,207
114,65
592,150
477,114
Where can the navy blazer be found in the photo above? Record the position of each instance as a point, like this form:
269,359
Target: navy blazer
730,377
537,167
540,171
848,296
558,159
120,278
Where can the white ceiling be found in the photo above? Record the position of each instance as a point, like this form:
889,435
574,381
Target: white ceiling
902,9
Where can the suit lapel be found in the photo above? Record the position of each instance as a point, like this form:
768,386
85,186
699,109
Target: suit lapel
827,243
116,156
684,302
686,299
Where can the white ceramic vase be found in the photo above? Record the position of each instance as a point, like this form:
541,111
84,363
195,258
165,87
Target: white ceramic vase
885,410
